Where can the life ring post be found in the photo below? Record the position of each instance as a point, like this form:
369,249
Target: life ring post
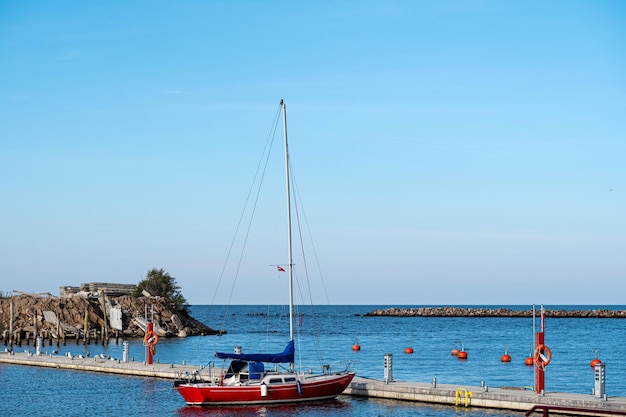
542,357
150,340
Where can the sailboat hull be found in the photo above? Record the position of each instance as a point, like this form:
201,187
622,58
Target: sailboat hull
272,390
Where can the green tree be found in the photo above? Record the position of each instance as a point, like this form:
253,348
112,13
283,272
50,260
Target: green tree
160,283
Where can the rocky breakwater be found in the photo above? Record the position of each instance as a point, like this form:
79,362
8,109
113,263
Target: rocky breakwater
87,319
493,312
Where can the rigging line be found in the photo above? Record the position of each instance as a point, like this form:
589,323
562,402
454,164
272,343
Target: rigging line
267,326
268,142
298,197
245,240
313,315
306,269
300,292
265,154
298,339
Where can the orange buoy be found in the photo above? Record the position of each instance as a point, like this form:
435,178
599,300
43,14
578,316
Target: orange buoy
356,346
408,350
530,360
462,355
595,360
455,351
506,357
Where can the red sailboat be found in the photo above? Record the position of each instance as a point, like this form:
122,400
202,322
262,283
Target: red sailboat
247,380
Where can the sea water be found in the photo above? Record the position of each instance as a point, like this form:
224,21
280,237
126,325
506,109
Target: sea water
325,336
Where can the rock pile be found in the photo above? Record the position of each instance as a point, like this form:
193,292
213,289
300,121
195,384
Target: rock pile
490,312
83,318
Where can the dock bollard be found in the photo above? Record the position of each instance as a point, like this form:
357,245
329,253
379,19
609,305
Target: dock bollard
38,343
600,379
125,346
388,370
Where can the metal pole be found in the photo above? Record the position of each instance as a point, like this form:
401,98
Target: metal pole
86,328
540,369
287,186
105,330
145,317
533,345
149,330
11,323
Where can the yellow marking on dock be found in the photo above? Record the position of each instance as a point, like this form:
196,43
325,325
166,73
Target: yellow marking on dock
460,392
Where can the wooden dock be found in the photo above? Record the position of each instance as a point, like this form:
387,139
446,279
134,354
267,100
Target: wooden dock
455,395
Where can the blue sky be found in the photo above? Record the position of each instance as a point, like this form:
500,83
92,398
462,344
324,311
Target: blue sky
447,152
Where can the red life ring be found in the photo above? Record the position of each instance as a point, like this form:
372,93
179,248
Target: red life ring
151,338
542,355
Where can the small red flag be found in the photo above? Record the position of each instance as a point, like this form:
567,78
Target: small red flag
281,269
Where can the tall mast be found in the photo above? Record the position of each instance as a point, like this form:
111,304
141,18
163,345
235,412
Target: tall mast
289,256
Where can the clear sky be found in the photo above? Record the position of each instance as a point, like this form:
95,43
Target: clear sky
447,152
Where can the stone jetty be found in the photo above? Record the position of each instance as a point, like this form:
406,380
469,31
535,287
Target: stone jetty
91,318
493,312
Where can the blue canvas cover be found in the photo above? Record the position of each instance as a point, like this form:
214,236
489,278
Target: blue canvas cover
286,356
256,370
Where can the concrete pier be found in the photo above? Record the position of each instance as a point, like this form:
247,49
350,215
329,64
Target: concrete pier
102,365
456,395
486,397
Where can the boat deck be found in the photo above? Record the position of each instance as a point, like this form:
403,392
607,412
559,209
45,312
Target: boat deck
510,398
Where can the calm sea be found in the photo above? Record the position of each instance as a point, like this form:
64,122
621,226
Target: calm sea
573,342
